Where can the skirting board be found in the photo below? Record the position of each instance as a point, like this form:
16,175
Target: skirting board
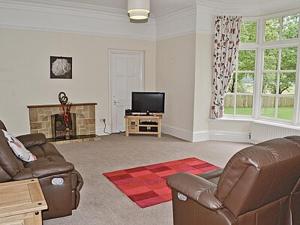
242,137
178,132
198,136
201,136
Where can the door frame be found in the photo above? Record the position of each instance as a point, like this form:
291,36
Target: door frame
122,51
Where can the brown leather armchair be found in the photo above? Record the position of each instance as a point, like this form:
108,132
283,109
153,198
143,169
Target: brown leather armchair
62,195
260,185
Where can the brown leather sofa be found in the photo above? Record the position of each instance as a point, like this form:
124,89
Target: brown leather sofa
61,197
260,185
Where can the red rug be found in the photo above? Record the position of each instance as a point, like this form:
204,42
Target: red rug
146,185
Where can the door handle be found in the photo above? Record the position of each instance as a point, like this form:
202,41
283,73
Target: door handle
115,102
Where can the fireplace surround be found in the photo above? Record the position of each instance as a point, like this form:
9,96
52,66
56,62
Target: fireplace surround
42,117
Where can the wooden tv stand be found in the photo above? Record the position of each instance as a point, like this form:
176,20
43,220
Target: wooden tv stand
143,124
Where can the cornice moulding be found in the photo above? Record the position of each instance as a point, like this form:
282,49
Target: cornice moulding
89,33
189,11
175,24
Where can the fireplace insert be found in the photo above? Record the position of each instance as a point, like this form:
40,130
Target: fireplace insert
59,127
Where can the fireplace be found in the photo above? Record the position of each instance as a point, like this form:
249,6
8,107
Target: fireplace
59,127
42,121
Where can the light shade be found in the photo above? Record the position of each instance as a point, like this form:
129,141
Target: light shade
138,9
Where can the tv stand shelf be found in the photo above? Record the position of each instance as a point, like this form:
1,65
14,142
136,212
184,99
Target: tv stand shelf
143,124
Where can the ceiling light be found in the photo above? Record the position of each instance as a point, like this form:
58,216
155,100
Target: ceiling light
138,10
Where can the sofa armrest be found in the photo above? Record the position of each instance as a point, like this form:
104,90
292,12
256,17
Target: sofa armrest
44,170
30,140
195,188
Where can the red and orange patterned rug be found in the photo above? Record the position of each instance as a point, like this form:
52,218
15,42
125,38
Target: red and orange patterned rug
146,185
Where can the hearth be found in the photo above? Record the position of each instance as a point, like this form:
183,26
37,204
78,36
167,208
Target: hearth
61,130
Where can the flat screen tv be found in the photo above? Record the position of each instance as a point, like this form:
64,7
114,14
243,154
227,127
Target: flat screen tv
148,102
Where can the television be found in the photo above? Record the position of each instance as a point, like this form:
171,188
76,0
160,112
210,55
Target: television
148,102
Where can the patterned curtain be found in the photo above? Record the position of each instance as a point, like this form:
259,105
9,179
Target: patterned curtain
227,39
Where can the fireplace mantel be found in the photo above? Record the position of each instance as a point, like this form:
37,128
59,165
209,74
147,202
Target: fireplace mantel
40,118
58,105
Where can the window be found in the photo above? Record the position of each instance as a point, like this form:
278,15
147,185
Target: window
278,88
264,82
239,97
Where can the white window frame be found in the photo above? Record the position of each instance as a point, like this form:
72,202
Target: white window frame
260,46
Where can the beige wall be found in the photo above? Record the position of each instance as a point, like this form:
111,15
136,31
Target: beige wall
175,64
203,81
24,71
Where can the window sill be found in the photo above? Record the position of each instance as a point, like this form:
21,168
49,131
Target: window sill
259,121
235,118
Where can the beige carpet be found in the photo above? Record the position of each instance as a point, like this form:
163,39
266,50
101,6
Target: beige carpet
102,203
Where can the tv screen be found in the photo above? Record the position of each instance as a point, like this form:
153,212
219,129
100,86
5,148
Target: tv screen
148,102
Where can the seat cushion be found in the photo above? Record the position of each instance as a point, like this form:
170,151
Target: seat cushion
30,140
46,151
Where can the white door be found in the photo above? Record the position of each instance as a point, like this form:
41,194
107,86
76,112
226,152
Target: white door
127,75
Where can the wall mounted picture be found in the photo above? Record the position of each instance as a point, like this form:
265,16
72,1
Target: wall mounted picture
60,67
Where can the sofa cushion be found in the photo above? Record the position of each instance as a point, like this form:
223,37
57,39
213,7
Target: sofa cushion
30,140
42,168
18,148
47,150
8,161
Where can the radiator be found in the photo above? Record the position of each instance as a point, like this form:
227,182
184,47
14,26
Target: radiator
263,131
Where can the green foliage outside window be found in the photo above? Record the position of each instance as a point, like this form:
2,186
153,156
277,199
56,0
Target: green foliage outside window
269,83
289,59
271,59
290,27
248,32
272,29
283,28
246,61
